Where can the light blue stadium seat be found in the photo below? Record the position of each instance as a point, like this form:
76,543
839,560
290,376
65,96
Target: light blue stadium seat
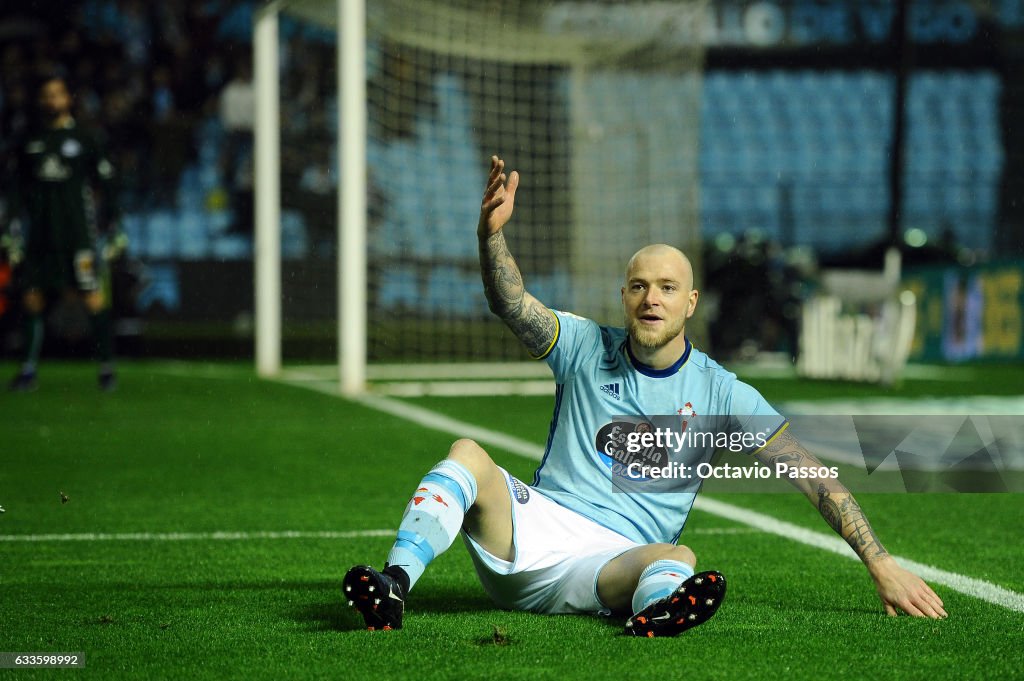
916,199
553,289
294,236
189,177
162,288
454,292
193,235
453,105
219,221
712,196
397,288
161,235
209,176
232,247
376,153
135,229
191,197
985,196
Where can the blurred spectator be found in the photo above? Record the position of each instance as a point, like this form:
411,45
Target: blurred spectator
398,94
755,289
135,31
171,133
155,76
238,114
148,74
237,106
130,144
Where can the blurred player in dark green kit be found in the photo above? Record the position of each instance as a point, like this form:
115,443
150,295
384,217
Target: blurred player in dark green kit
61,192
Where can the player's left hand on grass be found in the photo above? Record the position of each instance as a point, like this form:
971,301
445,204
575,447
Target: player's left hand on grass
902,590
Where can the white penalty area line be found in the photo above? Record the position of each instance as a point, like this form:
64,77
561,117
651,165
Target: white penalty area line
455,371
980,589
193,536
465,388
252,536
500,384
431,419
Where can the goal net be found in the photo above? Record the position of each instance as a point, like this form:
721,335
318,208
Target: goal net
596,104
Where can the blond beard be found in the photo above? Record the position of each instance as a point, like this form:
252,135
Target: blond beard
651,339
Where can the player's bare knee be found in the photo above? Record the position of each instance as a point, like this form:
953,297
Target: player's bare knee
471,455
681,553
686,555
463,444
34,301
490,482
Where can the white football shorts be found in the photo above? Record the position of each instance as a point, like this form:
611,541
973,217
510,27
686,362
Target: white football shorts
558,557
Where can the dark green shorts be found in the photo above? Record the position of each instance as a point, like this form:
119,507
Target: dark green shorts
58,271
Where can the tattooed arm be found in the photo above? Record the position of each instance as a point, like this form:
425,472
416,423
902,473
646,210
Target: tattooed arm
897,587
835,503
532,323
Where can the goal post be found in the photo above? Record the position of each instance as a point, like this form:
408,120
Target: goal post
351,209
352,220
267,158
602,123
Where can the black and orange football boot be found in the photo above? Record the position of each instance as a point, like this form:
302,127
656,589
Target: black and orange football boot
377,596
692,603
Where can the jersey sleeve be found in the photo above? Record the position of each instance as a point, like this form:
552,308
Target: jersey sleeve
576,339
750,413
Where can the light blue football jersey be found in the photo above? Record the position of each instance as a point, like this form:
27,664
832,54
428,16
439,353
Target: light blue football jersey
598,383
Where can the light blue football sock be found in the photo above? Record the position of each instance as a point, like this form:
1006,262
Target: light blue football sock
432,518
658,580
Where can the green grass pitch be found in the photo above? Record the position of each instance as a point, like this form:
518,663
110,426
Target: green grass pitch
189,448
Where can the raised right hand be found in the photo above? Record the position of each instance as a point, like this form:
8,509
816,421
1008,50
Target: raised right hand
499,199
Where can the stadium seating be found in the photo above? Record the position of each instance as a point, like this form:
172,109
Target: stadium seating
804,148
824,138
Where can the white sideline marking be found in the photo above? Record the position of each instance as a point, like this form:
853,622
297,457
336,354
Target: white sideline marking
987,405
248,536
464,388
436,421
978,588
317,379
193,536
525,369
723,530
197,369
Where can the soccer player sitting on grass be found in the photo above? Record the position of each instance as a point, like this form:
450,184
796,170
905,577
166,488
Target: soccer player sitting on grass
567,543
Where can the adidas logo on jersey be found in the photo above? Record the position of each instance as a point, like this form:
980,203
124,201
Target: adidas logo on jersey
612,389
